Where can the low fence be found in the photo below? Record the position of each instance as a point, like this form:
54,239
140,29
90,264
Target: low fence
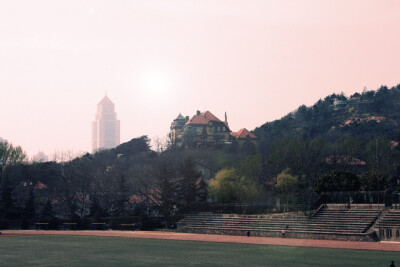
361,197
240,208
381,198
355,206
77,224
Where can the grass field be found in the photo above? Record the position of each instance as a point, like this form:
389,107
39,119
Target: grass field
110,251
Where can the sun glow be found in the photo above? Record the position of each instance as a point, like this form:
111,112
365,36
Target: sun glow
156,84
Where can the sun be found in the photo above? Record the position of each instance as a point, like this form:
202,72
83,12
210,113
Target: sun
156,84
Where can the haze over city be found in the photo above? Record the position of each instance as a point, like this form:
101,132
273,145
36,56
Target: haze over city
255,60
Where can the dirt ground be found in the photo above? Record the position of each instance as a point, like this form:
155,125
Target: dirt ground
377,246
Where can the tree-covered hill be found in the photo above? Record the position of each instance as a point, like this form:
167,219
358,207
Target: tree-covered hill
366,115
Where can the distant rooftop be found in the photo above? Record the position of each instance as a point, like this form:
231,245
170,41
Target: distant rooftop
106,101
243,134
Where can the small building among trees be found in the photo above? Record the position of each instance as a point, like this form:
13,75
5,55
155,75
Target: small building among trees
204,129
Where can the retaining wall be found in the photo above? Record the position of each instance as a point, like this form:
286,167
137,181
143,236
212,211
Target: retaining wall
324,236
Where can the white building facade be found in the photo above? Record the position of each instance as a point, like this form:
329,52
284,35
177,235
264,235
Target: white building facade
105,127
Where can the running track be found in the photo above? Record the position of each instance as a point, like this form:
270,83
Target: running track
377,246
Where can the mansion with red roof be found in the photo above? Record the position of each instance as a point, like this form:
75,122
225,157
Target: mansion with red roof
204,129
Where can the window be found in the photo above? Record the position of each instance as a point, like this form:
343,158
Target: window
218,129
223,128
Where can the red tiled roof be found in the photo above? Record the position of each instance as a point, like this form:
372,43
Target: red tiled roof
39,185
198,119
140,198
203,118
242,134
136,199
211,117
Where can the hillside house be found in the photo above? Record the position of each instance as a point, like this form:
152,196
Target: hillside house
244,137
204,128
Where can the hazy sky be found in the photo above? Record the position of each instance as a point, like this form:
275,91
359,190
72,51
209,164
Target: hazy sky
256,60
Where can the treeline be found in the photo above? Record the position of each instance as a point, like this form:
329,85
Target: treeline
317,156
312,151
130,180
306,168
133,180
366,115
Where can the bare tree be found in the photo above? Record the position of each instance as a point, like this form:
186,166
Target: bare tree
161,144
162,190
109,187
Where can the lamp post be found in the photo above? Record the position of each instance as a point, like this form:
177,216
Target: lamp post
377,184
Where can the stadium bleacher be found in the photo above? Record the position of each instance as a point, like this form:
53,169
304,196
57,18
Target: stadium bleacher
389,225
329,222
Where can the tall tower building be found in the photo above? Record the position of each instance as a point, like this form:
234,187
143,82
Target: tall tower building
105,127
